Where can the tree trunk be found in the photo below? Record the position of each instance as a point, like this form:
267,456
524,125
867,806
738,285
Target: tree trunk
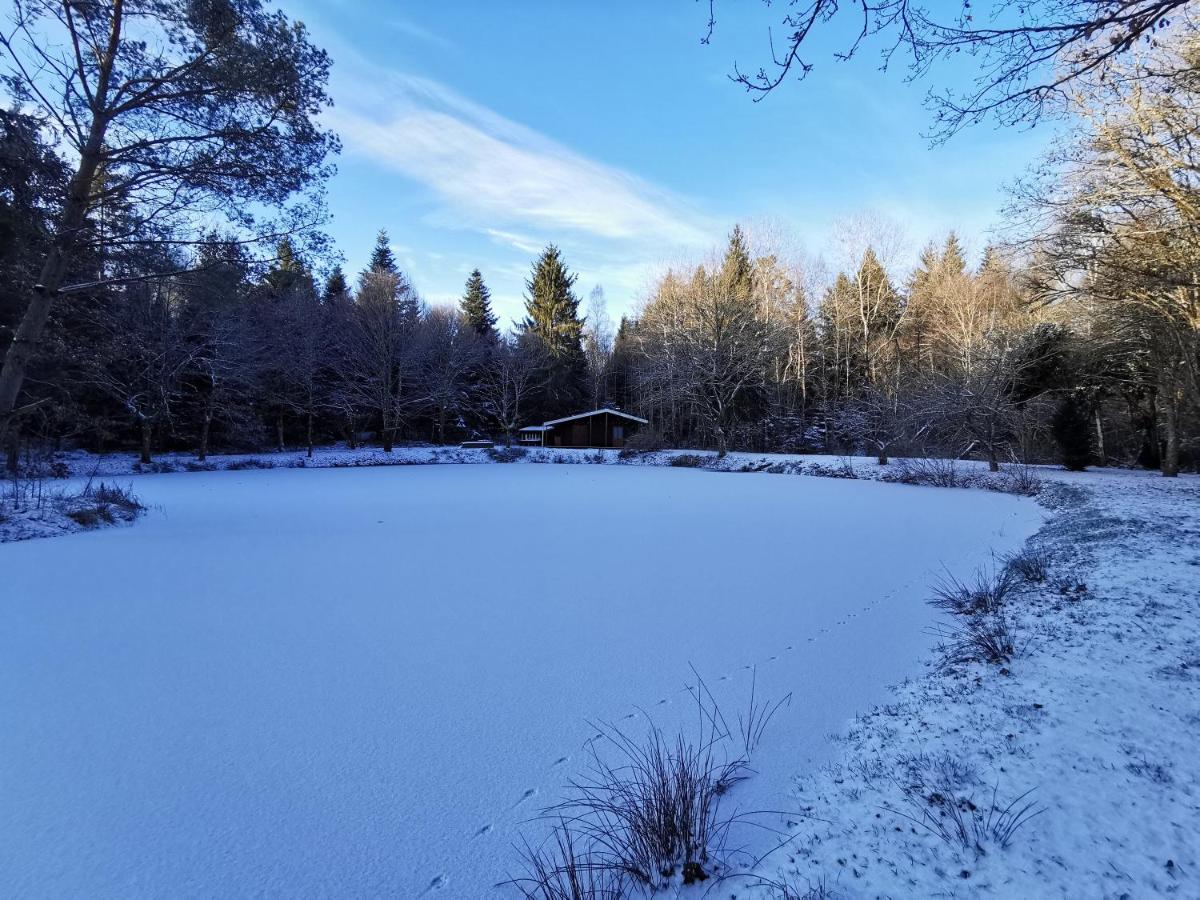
883,457
146,434
1100,438
28,335
310,434
12,455
205,427
279,430
1170,423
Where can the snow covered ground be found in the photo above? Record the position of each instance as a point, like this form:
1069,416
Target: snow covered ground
361,683
1100,718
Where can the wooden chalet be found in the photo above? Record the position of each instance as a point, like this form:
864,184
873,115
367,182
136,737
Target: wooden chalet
598,428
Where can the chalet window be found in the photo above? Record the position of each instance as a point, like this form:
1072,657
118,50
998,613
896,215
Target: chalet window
618,432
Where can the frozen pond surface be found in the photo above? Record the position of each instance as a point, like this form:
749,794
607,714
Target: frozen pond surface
310,683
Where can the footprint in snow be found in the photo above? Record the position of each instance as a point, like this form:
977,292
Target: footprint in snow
663,701
525,796
437,884
482,831
561,760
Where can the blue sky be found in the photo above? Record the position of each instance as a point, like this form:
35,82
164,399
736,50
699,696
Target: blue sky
476,132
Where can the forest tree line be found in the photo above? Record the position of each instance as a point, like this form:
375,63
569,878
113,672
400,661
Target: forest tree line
1076,338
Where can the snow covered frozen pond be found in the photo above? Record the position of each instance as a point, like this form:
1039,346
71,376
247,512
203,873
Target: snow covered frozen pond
358,682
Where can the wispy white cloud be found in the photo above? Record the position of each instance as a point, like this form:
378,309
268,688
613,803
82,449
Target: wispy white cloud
500,178
411,29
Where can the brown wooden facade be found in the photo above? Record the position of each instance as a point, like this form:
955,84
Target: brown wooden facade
597,429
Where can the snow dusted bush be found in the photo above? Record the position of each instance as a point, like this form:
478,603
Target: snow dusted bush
506,454
979,629
844,469
932,471
938,793
648,440
1031,564
647,811
157,467
104,505
989,638
689,461
29,509
250,462
1023,480
986,593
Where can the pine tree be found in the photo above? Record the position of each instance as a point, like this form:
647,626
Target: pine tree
953,261
289,270
551,307
736,269
382,258
337,289
1073,433
476,306
552,318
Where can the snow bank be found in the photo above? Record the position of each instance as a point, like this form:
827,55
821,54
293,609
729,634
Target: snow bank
1099,719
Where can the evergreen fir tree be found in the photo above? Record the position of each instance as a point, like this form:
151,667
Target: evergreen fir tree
551,307
476,306
288,271
382,258
337,289
1073,433
552,318
736,269
953,261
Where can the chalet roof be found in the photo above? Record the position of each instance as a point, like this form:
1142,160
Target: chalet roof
535,428
596,412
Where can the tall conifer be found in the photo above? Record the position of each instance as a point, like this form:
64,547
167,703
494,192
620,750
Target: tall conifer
476,306
552,318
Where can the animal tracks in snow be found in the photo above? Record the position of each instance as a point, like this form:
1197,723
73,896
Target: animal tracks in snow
490,829
532,792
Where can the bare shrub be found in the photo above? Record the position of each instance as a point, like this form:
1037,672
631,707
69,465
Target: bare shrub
931,471
689,461
648,440
1021,479
1031,564
987,591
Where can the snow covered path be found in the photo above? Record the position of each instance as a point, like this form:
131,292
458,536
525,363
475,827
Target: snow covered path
359,682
